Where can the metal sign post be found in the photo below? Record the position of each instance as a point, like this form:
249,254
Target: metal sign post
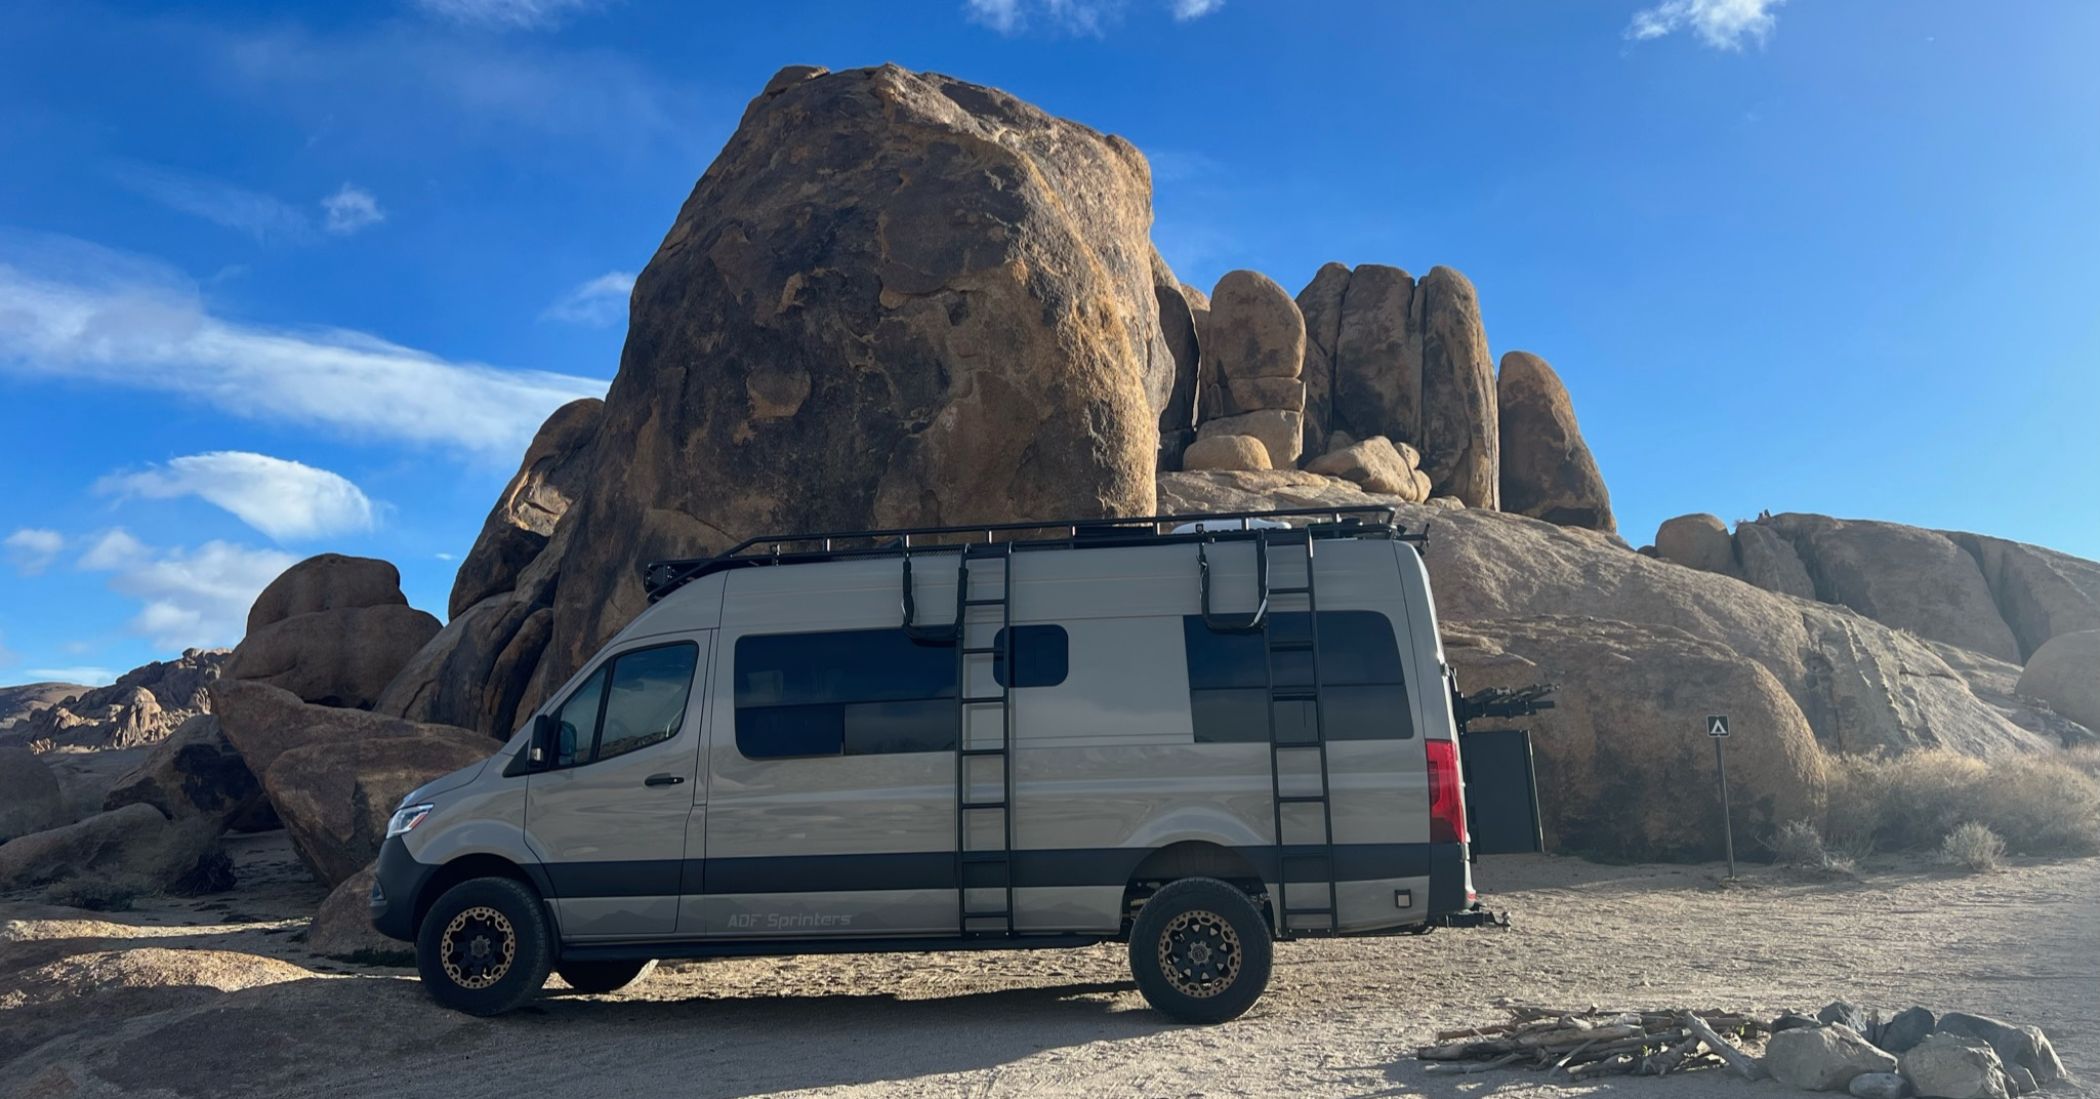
1717,731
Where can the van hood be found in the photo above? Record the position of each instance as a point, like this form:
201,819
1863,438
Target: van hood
446,782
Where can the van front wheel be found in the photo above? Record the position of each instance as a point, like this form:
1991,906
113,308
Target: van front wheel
1200,951
485,946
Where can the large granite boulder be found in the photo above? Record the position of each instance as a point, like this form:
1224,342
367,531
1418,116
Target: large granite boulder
1823,1058
2024,1047
1769,561
1184,343
2040,593
342,926
549,478
1697,541
1547,470
1459,440
1906,577
129,850
342,656
30,798
928,300
1226,452
2065,673
335,796
325,582
195,774
1949,1066
264,722
1379,465
1625,768
1377,385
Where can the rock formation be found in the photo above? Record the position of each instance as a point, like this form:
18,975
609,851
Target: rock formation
1387,355
124,851
141,707
2039,592
30,800
333,630
1379,465
1177,326
2065,673
1547,470
1227,452
549,479
1697,541
1254,351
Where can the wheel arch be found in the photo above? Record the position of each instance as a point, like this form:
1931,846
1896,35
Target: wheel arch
480,864
1192,859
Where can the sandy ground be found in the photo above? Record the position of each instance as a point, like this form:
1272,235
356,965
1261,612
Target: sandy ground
217,997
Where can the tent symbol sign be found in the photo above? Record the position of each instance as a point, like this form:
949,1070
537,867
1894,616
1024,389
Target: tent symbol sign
1717,725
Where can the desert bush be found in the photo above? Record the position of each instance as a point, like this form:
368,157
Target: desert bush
2038,804
1798,845
1974,847
99,894
2085,757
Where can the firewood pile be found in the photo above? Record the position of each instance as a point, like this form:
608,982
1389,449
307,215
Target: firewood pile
1588,1044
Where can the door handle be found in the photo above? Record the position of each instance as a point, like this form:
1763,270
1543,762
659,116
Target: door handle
663,780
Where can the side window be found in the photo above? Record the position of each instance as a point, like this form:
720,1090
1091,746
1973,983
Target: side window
1042,656
843,692
646,704
1363,693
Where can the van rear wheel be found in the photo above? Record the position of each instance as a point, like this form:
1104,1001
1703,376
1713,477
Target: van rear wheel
485,947
1200,951
596,978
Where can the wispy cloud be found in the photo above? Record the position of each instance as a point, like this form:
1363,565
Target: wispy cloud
87,675
284,499
349,209
73,310
1080,17
507,14
1722,24
188,597
598,302
31,550
268,219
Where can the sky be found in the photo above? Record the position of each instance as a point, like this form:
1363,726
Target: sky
280,280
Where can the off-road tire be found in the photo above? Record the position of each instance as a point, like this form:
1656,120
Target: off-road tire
1200,951
485,947
598,978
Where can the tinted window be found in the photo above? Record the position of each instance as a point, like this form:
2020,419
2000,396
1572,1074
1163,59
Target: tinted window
578,722
850,692
647,703
1362,696
1043,654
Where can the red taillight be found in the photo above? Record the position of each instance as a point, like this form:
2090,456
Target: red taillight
1447,803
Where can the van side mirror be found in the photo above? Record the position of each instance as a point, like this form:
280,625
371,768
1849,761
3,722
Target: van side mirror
539,754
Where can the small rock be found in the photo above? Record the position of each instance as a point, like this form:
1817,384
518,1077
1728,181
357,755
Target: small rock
1949,1066
1906,1028
2024,1046
1823,1058
1793,1020
1847,1013
1879,1085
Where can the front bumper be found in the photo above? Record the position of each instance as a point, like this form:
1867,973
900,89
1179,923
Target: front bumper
397,887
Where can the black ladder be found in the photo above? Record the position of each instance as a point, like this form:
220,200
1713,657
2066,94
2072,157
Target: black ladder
1312,861
984,868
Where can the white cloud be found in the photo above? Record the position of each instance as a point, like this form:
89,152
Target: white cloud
266,218
349,209
72,310
188,597
598,303
284,499
87,675
1722,24
506,14
1086,17
31,550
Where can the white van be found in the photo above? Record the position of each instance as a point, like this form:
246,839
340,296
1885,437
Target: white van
1196,734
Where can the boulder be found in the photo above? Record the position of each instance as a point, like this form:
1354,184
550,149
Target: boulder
1241,395
2039,592
548,480
1177,324
264,722
1824,1058
1195,492
1378,466
1769,561
1547,470
1905,1029
335,797
1793,1020
1377,386
900,288
1255,329
474,673
1226,452
2024,1047
30,798
2065,673
1948,1066
342,926
195,774
327,582
1320,303
1906,577
342,656
1849,1014
1697,541
1459,440
1879,1085
131,849
1625,770
1281,432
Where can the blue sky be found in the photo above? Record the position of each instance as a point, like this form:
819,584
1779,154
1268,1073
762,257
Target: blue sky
277,280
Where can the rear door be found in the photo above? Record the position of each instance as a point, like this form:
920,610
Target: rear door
609,819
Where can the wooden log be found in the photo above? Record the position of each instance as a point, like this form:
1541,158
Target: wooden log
1737,1059
1572,1054
1661,1064
1457,1067
1474,1031
1613,1066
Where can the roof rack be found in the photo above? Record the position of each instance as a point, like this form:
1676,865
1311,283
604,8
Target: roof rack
661,578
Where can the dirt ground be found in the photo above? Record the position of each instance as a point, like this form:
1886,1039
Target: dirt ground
216,997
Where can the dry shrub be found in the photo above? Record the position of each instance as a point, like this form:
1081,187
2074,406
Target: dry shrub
2038,804
1973,847
1799,846
2085,757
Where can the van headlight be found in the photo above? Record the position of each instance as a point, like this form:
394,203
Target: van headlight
406,818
